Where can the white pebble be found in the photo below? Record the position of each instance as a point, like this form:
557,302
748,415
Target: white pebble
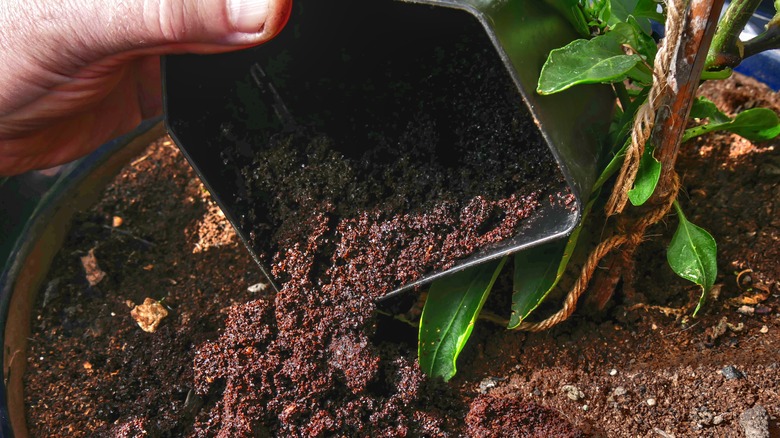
651,402
256,288
613,372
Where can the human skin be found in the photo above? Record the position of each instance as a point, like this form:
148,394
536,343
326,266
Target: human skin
77,73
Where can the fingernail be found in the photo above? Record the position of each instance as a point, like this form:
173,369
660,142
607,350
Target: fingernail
248,16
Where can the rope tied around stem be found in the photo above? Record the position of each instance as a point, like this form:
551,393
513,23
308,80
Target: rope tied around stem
644,122
630,235
629,240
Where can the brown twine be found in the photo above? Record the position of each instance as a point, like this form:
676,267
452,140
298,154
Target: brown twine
641,133
631,238
645,118
668,187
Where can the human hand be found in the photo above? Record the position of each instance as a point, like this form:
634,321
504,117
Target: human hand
75,74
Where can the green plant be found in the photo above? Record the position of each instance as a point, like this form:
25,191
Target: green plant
619,51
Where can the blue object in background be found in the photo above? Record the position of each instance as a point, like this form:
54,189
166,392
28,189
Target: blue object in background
764,66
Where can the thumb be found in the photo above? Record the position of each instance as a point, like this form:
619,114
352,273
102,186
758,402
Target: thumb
90,30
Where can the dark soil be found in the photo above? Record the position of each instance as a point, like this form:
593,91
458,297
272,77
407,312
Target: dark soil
314,359
423,175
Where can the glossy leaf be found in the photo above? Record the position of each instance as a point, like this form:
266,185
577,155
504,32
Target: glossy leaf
570,9
692,254
639,10
598,11
598,60
537,271
704,108
614,165
648,9
641,41
646,178
621,9
448,317
757,124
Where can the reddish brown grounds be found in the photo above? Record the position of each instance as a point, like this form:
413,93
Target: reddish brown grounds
246,363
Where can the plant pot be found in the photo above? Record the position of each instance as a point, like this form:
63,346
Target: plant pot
41,206
47,204
355,71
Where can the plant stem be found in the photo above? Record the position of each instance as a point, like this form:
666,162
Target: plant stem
727,50
678,209
768,40
671,119
622,95
690,58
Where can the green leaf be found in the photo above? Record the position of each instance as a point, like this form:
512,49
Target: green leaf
649,9
641,42
646,179
704,108
692,254
757,124
708,75
571,11
598,11
599,60
624,10
614,165
621,9
449,314
583,62
537,271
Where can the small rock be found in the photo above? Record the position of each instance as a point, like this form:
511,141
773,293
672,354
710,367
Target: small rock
619,391
662,433
717,420
149,315
764,329
93,272
746,310
651,402
116,221
613,372
573,392
705,417
487,384
585,407
731,372
257,288
755,422
736,328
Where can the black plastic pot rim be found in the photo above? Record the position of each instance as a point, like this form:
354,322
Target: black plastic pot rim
70,188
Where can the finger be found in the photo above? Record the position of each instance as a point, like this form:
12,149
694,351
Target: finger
89,30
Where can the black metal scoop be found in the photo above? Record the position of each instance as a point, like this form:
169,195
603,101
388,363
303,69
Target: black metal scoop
359,70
